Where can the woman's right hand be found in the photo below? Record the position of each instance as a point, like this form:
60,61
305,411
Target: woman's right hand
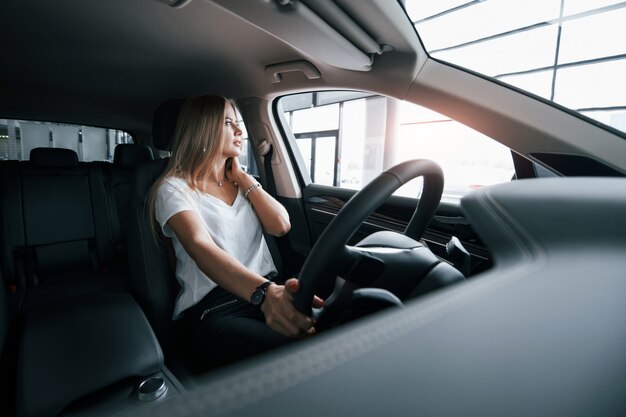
282,316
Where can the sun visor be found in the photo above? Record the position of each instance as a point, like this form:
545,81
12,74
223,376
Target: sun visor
320,29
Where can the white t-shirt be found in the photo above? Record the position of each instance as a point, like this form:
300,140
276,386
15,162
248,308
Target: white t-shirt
236,229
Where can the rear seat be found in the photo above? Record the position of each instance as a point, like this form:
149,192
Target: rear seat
69,327
63,223
60,241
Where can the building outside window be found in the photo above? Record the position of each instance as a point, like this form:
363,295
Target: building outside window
347,138
19,137
571,52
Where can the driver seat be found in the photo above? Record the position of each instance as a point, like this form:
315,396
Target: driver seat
151,259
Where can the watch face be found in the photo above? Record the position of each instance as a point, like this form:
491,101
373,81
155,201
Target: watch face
257,296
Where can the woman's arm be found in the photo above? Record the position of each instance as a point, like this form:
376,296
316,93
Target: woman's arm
234,277
272,214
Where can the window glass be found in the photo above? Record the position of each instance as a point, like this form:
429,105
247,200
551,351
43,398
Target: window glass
569,51
513,53
19,137
592,86
305,146
616,118
325,160
377,132
419,11
315,119
481,20
596,36
578,6
95,142
246,158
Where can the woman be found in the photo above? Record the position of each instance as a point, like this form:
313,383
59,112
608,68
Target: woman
215,215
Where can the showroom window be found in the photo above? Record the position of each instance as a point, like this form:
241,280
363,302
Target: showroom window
346,139
571,52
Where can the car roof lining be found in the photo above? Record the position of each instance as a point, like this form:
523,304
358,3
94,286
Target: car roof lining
143,53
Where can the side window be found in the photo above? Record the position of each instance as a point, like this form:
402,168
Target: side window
19,137
246,158
347,138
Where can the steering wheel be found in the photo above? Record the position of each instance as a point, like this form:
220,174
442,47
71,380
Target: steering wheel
332,256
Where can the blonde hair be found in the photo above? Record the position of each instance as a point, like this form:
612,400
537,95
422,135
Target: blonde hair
197,145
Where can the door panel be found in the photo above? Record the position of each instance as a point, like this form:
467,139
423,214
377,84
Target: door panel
322,203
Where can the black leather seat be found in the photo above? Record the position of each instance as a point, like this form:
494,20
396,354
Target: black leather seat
131,155
151,262
56,232
79,341
72,348
8,348
118,178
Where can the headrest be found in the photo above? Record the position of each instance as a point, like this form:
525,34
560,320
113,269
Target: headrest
164,123
128,155
54,157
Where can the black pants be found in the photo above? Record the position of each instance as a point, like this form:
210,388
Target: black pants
229,329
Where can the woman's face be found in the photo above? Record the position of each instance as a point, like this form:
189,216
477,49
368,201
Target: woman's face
232,133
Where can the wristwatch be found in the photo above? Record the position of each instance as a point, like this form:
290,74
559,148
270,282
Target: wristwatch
258,295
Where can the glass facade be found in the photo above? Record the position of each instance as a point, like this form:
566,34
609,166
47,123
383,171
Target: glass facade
571,52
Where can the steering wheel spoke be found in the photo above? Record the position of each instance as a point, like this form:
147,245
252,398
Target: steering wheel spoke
364,268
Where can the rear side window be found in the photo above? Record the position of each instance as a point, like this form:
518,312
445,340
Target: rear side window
346,139
19,137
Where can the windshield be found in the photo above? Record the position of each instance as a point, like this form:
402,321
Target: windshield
571,52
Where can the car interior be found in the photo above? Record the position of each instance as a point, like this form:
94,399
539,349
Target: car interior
446,292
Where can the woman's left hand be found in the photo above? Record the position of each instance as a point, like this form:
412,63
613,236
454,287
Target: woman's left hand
273,215
237,174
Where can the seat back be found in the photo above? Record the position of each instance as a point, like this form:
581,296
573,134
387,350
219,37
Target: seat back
11,225
61,206
151,269
118,178
55,228
59,227
151,262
